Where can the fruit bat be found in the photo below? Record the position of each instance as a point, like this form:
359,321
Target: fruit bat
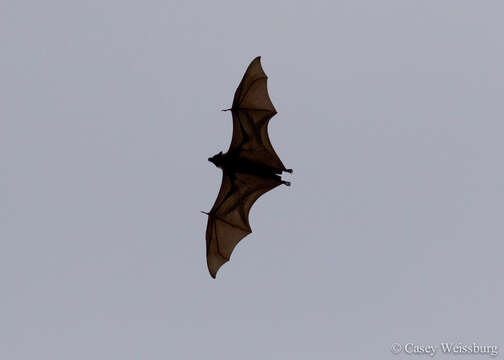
250,167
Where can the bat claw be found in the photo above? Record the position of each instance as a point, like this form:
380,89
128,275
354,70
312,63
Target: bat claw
286,183
290,171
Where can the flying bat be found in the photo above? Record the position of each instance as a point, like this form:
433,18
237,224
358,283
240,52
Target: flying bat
250,167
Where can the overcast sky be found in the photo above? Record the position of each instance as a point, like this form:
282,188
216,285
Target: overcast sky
389,112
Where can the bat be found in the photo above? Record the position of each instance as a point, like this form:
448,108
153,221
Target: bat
250,167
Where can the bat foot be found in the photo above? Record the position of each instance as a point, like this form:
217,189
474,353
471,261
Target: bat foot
286,183
290,171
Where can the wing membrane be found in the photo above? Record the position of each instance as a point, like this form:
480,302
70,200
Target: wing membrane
252,93
251,140
228,221
252,110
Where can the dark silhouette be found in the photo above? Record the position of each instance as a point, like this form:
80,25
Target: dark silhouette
250,167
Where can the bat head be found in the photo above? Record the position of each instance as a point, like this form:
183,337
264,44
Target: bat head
216,159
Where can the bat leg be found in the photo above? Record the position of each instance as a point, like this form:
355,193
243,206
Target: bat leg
279,171
278,178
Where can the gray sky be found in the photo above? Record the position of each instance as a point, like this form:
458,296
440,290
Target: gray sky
389,112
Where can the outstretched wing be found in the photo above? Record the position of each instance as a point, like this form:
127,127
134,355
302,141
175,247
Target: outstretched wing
252,110
228,221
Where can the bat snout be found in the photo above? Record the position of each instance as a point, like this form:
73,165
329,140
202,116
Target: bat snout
216,159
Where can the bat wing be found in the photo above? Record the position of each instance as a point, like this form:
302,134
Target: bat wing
252,110
228,221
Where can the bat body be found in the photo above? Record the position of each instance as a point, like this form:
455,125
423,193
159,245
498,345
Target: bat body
250,168
232,163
